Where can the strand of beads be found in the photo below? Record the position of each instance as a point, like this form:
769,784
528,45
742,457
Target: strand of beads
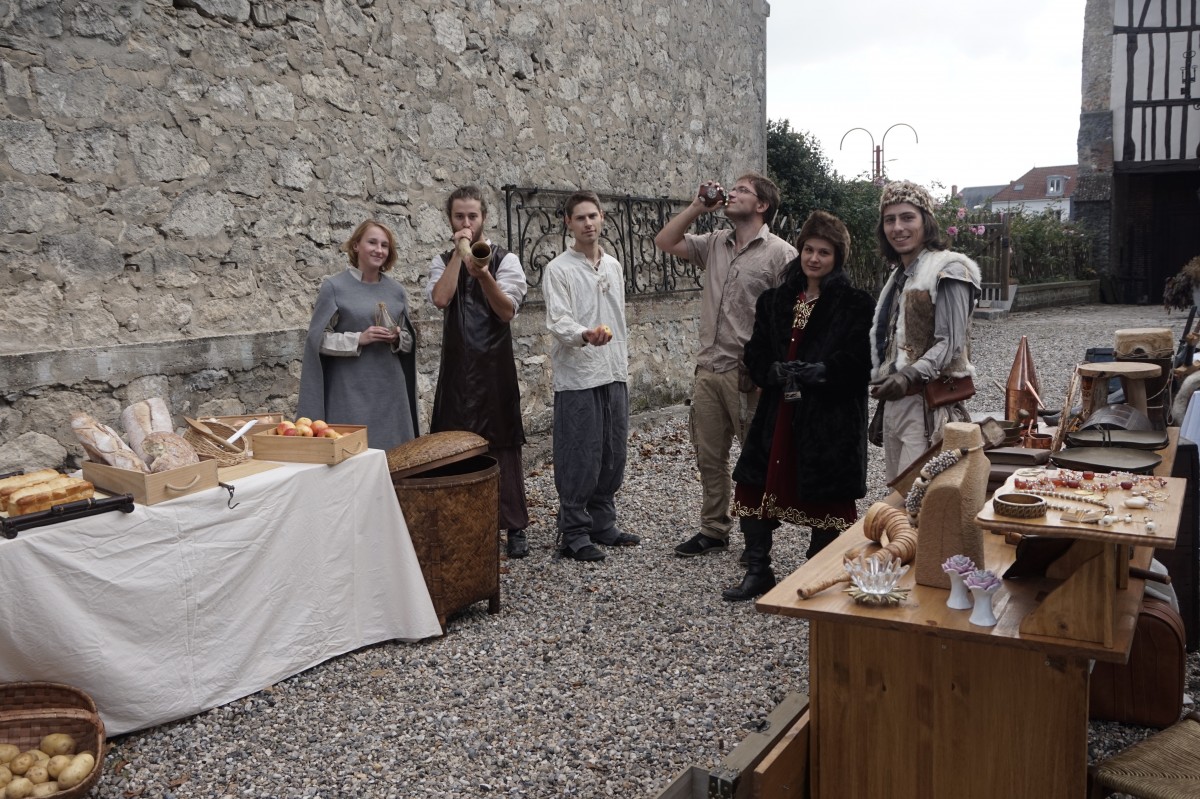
932,468
1069,497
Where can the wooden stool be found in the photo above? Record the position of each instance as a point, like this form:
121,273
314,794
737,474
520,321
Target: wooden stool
1164,766
1133,375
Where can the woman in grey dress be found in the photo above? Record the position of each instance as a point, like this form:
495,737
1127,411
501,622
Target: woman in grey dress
359,356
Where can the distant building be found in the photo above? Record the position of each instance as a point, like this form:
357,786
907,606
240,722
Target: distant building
978,198
1044,189
1139,143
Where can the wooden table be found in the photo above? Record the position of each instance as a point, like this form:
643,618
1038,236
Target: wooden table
914,701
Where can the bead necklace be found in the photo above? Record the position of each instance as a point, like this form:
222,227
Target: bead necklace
803,311
932,468
1038,492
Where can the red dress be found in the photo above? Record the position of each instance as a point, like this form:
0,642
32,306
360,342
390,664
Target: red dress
778,499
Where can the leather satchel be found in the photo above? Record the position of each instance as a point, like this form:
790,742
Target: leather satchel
948,390
1148,690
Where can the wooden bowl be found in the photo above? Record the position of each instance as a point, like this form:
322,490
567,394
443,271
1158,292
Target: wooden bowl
1019,506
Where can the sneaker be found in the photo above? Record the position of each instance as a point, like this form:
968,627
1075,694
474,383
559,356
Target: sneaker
517,547
625,539
586,553
700,544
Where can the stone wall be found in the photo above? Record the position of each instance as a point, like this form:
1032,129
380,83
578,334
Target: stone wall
1091,204
1055,295
175,177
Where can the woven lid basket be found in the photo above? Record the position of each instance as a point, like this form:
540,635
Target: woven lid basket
30,711
209,439
433,450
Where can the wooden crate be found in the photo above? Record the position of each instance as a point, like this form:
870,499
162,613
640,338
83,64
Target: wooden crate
295,449
151,489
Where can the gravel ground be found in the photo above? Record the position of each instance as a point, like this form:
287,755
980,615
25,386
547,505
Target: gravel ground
595,680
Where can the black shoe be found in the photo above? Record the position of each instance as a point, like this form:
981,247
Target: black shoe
744,559
752,585
700,544
625,539
587,553
517,547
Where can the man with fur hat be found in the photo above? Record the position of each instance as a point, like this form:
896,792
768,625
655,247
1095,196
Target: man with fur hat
922,327
740,264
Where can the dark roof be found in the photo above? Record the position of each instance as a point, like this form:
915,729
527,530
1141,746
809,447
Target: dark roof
975,196
1032,185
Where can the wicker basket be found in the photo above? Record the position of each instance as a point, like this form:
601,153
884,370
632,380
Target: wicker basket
31,710
450,495
209,439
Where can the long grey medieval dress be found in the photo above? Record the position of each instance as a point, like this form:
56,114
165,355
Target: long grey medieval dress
376,387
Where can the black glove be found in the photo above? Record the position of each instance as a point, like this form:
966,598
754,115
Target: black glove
807,374
894,386
777,374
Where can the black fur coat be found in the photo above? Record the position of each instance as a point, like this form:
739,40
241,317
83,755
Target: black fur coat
829,426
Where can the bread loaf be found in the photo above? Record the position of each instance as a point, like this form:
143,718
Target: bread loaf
103,445
43,496
143,418
10,484
167,451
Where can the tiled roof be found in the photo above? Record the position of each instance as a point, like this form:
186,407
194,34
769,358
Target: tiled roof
1033,184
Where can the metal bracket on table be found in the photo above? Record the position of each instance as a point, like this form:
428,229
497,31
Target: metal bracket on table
66,512
229,503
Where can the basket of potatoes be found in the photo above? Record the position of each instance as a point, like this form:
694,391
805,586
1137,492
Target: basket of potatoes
51,741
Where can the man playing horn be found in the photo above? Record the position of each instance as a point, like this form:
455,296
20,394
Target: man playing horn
477,386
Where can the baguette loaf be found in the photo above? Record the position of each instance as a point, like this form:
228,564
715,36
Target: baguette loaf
10,484
43,496
167,451
103,444
143,418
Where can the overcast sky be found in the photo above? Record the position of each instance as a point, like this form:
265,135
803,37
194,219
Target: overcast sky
992,89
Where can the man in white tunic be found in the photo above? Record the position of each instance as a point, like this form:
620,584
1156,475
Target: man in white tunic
584,291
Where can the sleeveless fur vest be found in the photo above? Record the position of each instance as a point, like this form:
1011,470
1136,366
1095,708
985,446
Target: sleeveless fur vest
915,321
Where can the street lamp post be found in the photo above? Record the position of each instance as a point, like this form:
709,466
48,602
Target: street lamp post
877,150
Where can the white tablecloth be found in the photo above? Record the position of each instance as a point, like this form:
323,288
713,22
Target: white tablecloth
187,605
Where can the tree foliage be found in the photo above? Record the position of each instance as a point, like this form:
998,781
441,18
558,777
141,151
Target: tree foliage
808,182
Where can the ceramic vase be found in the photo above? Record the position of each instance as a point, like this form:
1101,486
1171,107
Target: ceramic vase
960,598
981,614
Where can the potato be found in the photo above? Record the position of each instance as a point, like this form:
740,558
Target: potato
19,788
56,764
5,776
45,789
37,775
58,743
22,763
7,753
79,769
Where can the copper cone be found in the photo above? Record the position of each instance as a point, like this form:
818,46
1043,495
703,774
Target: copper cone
1022,392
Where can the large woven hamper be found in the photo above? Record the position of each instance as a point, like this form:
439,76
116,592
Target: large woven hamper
31,710
449,491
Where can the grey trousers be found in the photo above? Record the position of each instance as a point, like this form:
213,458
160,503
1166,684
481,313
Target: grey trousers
591,432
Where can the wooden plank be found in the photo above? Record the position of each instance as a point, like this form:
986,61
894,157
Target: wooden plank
1081,607
728,780
783,773
896,714
1166,518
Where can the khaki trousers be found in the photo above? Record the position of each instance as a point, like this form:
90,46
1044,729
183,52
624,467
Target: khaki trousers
719,412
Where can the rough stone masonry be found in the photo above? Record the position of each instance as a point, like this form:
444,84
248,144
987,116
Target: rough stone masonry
175,177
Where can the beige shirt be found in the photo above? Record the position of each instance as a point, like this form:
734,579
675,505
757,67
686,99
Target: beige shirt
579,296
733,282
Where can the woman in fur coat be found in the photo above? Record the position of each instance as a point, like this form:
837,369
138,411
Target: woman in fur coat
805,458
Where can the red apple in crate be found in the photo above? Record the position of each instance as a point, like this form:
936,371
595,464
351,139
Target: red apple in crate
304,430
289,431
319,427
331,433
282,428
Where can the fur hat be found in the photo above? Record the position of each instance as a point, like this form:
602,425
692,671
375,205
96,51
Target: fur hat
905,191
824,225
